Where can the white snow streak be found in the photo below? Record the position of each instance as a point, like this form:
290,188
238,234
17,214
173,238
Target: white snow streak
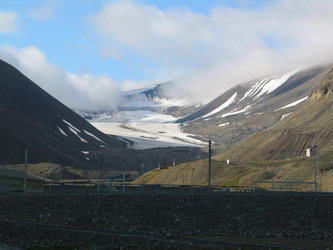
93,136
284,116
267,86
69,124
85,152
77,134
236,112
293,103
223,106
224,124
61,131
74,130
255,88
274,84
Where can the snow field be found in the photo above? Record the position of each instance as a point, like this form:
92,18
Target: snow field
148,135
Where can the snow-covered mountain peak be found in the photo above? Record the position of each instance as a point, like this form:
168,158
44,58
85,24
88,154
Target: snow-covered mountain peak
154,97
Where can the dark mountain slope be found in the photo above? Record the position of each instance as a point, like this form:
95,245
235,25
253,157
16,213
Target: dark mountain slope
32,119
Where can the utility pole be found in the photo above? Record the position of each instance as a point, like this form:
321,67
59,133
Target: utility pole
270,164
123,181
314,149
142,177
97,171
25,170
209,165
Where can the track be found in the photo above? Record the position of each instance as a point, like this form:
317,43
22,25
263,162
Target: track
192,242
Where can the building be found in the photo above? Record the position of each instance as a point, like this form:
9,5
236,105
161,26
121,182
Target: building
13,181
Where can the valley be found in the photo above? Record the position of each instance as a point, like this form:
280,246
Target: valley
143,124
154,130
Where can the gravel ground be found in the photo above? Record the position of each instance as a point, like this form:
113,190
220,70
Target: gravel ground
164,220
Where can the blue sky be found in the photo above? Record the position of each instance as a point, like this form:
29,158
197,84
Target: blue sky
67,39
96,48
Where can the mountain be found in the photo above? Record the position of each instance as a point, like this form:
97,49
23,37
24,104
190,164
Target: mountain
312,124
33,120
253,106
276,156
154,117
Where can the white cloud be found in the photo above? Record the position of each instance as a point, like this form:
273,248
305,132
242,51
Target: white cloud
45,11
209,53
81,92
8,22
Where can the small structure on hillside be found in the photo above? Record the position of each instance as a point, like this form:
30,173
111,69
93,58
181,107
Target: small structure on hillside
14,181
230,162
310,152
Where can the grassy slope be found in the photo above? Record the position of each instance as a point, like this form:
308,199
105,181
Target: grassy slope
246,173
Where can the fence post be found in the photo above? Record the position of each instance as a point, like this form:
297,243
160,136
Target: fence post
209,165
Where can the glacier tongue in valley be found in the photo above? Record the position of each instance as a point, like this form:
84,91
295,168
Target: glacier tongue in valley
143,118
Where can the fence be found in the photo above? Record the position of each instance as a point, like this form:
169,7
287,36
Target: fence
286,185
116,187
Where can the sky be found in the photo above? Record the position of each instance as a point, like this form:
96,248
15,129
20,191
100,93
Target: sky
85,52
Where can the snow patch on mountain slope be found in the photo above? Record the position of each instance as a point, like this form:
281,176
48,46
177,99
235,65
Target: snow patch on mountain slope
221,107
77,134
284,116
71,126
293,103
75,130
255,88
223,124
61,131
267,85
274,84
93,136
236,112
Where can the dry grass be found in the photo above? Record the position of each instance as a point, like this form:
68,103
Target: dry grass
246,174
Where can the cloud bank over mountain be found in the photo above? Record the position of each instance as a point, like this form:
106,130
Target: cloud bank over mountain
224,47
205,53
